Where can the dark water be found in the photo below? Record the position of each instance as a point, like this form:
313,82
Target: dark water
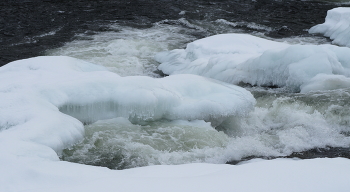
331,152
30,27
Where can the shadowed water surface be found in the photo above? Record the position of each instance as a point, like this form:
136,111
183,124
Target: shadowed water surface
30,27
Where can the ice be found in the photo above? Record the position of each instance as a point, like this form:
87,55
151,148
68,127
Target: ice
214,55
34,93
281,124
38,90
240,58
336,26
326,82
294,66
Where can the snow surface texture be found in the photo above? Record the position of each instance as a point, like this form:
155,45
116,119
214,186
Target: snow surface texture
241,58
336,26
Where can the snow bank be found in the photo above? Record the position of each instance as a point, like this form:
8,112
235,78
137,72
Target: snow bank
336,26
32,127
257,175
236,58
294,66
38,90
215,54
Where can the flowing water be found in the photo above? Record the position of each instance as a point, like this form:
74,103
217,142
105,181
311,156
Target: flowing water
125,37
282,124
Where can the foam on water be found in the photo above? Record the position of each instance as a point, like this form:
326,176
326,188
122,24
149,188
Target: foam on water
282,123
130,51
125,50
118,144
251,25
46,100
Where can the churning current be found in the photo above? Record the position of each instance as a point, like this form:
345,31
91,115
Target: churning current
281,125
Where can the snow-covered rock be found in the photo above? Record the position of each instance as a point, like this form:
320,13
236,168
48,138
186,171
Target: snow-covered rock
236,58
336,26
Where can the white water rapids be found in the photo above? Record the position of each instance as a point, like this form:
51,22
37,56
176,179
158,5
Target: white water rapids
282,123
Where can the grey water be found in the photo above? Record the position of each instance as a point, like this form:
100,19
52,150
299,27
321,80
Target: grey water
282,125
125,35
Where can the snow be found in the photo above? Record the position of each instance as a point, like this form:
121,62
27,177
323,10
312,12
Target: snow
336,26
33,130
214,54
241,58
323,82
39,175
36,88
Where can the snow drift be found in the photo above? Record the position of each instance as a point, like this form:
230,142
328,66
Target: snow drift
241,58
336,26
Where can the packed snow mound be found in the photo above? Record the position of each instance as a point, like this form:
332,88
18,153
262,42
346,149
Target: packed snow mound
294,66
41,91
256,61
336,26
213,55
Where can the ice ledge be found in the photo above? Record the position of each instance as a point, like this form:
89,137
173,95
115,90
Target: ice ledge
36,89
336,26
241,58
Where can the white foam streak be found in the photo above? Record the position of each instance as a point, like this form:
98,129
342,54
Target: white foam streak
126,51
249,25
118,144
